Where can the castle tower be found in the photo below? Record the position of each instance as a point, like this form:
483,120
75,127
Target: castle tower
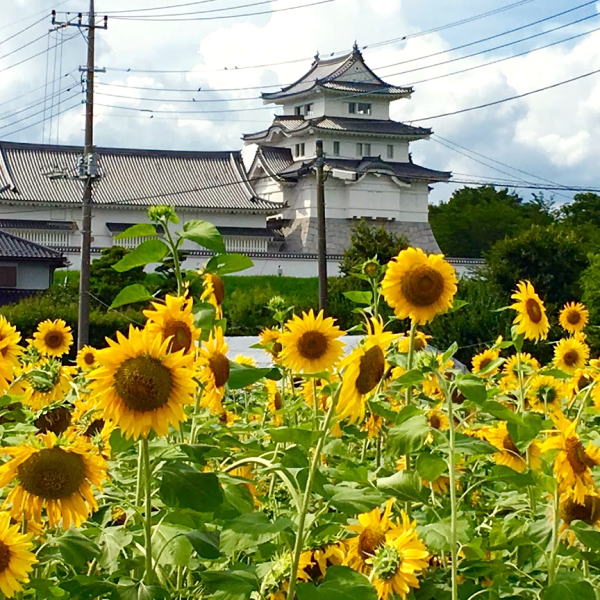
368,164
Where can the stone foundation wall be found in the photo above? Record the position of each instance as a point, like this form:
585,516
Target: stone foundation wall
301,235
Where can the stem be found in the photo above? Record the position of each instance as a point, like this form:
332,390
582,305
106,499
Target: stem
409,365
149,575
554,549
175,254
453,506
195,415
138,485
306,500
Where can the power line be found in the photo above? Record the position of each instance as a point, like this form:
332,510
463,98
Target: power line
185,112
62,112
14,35
202,12
193,101
40,12
132,10
28,92
11,113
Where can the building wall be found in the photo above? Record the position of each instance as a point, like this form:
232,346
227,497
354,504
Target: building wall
335,106
30,276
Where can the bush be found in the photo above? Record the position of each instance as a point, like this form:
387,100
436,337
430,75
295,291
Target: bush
590,284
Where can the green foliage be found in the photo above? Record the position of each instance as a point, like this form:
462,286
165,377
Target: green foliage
590,284
584,210
367,242
474,219
105,282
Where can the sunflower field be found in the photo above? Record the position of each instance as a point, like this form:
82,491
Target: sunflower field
160,467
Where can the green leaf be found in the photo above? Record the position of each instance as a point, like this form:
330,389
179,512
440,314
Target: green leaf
250,530
409,436
586,534
472,388
184,487
141,591
465,444
85,587
204,317
150,251
221,264
430,466
354,500
450,352
76,549
303,437
112,542
404,485
569,586
412,377
340,583
135,292
437,535
171,546
525,429
236,584
139,230
513,478
205,234
359,297
205,543
241,376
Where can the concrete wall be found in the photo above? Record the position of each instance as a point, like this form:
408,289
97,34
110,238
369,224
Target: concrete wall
30,276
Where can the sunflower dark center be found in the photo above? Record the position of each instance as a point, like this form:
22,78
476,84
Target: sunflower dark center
371,369
509,446
89,358
547,394
313,570
56,420
434,421
571,358
54,339
219,365
422,286
277,403
94,428
588,512
577,456
143,383
276,349
180,334
484,363
52,473
369,540
573,317
533,309
583,381
218,289
5,555
312,345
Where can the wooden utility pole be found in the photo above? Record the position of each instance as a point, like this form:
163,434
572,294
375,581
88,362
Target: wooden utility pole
321,233
87,172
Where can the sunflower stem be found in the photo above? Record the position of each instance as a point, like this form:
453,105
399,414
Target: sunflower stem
555,540
149,575
307,491
140,475
409,365
175,254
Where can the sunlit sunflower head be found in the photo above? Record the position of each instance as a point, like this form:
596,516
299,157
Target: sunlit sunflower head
398,561
531,319
571,354
310,343
86,358
573,317
53,338
364,369
140,385
55,476
269,340
437,419
214,292
314,563
508,454
522,363
371,529
247,361
174,321
546,393
588,511
421,341
482,361
10,350
46,383
418,286
213,370
16,557
274,402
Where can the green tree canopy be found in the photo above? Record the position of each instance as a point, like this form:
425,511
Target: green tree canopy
474,219
584,210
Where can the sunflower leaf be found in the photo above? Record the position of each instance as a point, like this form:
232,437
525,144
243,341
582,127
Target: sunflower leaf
340,583
204,234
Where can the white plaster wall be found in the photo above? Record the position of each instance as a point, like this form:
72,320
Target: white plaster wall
30,276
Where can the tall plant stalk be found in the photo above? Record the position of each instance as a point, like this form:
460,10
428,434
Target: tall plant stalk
149,575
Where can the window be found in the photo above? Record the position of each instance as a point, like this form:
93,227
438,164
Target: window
390,151
8,277
359,149
336,148
363,109
367,149
308,108
352,107
299,150
298,110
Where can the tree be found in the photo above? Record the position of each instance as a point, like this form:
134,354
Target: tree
590,284
551,257
474,219
584,210
105,282
367,242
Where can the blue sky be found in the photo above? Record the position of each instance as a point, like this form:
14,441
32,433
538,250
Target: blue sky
552,135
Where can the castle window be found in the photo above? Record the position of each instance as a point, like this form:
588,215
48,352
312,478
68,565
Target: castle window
367,149
390,151
308,108
299,150
359,149
8,277
352,107
363,109
298,110
336,148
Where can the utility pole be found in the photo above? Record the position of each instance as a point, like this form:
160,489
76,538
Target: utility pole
87,172
321,233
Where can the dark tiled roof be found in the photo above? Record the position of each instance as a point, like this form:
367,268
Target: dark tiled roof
34,224
274,159
342,125
408,170
16,248
343,73
211,181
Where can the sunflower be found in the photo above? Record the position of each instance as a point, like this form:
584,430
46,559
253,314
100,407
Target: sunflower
588,511
173,321
214,370
9,352
47,383
580,380
246,361
56,420
573,317
482,361
510,371
214,292
16,557
573,461
274,402
269,340
140,385
531,319
363,368
398,560
546,393
313,564
418,286
371,529
508,454
310,343
56,477
570,354
421,339
86,358
52,338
